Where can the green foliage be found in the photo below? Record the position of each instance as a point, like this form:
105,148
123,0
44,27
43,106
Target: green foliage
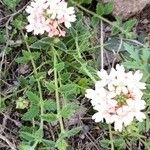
50,117
105,143
33,111
27,57
68,110
139,59
18,22
126,26
102,9
11,5
50,105
53,99
70,133
61,144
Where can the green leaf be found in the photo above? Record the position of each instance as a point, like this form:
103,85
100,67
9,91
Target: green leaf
40,75
18,22
95,21
11,4
68,110
31,113
100,9
113,44
60,66
42,44
48,143
68,88
108,8
61,144
115,30
129,24
50,105
27,57
38,135
120,143
33,98
27,136
105,143
118,22
133,53
25,147
61,46
49,117
70,133
50,86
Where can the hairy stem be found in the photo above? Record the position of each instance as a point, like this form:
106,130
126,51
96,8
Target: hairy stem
111,138
38,82
56,90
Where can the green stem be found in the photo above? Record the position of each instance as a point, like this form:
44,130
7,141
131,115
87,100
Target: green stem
56,91
100,17
83,66
111,137
60,83
38,82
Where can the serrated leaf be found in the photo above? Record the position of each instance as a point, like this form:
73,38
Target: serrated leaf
33,98
25,147
27,57
38,135
49,117
108,8
48,143
60,66
68,110
42,44
31,113
129,24
61,46
22,60
70,133
50,86
50,105
11,4
68,88
27,136
61,144
100,9
115,30
133,53
119,143
113,43
104,143
95,21
40,75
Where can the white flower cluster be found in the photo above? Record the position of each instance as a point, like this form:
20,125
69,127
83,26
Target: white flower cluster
49,16
117,97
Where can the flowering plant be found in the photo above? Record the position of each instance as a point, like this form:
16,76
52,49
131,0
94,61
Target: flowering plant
117,97
49,16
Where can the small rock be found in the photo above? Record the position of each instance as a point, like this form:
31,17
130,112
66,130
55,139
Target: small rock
127,8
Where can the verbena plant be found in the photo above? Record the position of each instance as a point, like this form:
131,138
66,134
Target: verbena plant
62,69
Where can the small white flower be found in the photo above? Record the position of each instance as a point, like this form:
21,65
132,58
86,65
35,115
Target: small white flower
49,16
117,97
